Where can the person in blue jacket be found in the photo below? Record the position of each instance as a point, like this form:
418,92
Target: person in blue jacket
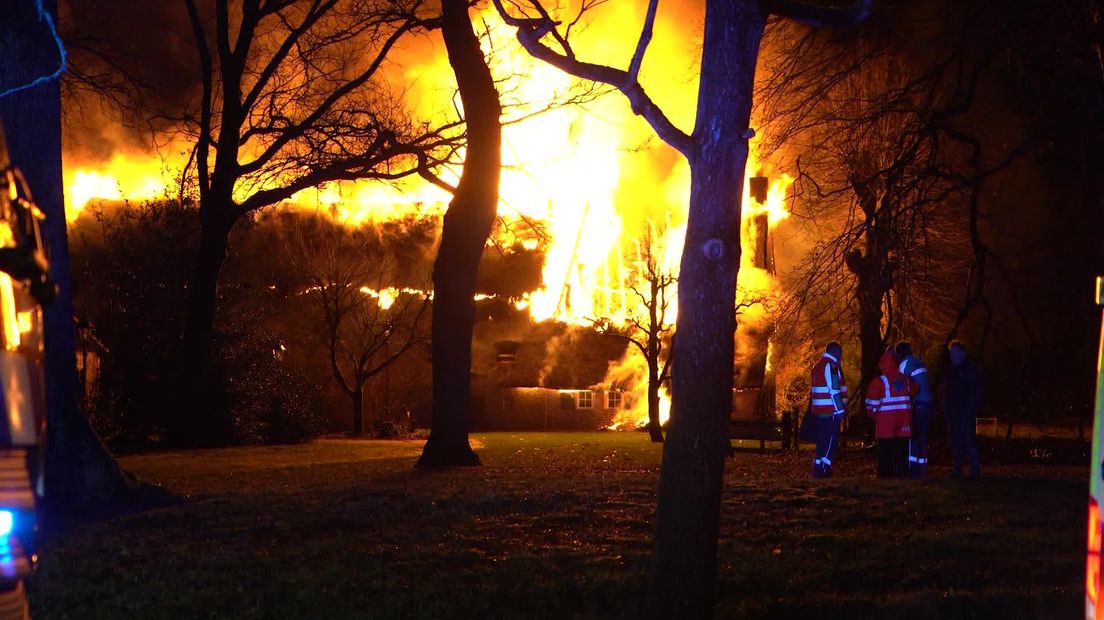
923,407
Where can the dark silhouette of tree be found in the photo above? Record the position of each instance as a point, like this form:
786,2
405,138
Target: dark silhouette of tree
875,117
876,176
291,98
365,324
647,327
467,224
682,576
83,478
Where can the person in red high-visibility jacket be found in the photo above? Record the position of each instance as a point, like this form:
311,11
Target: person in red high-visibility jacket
889,402
828,401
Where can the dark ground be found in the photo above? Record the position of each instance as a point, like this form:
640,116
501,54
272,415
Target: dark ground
558,526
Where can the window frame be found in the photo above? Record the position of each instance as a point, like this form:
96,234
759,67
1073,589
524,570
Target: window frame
589,403
612,396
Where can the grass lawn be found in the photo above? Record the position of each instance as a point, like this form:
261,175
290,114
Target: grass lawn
559,526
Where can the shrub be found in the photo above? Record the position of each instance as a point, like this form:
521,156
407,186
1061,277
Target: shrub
387,429
130,272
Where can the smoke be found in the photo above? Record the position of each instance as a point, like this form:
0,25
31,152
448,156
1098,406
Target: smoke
129,63
629,373
551,358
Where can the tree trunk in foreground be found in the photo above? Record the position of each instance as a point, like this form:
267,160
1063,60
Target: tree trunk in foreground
655,428
191,423
869,295
873,281
655,336
357,398
82,478
683,568
466,227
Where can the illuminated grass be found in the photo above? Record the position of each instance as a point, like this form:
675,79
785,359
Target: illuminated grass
559,526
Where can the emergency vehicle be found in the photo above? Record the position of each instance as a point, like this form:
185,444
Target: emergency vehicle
24,288
1096,490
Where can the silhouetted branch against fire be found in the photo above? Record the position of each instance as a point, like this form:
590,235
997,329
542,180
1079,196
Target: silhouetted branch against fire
885,167
531,31
365,323
817,14
642,44
295,98
647,325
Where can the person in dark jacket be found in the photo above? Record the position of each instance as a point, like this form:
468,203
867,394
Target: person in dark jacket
961,401
923,406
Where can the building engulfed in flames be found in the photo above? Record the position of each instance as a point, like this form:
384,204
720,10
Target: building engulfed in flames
578,186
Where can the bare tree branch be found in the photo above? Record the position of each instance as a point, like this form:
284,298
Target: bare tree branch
530,32
642,44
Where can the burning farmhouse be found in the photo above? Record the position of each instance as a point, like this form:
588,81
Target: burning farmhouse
579,284
575,372
564,345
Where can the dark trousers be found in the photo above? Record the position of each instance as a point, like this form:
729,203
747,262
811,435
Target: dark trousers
963,431
893,457
827,430
918,443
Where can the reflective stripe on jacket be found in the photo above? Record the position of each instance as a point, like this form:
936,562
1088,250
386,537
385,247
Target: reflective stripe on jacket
889,402
914,369
829,392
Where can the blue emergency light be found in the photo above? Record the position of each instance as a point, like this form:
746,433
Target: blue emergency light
7,522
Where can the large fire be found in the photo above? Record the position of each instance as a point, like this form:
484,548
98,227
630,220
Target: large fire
590,179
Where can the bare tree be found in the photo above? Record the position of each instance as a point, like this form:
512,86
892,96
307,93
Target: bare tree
876,177
646,326
367,323
291,97
688,512
875,118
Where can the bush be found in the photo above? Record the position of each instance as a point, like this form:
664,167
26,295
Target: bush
256,399
129,267
387,429
130,270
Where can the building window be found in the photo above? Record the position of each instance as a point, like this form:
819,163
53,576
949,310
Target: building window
507,401
613,399
506,351
586,399
567,401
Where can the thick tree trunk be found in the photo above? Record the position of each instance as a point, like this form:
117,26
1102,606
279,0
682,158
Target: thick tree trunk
655,334
466,228
655,429
82,478
357,398
870,330
192,424
872,283
683,567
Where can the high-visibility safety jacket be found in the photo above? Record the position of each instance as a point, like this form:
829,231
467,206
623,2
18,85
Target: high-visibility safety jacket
889,400
829,391
914,369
